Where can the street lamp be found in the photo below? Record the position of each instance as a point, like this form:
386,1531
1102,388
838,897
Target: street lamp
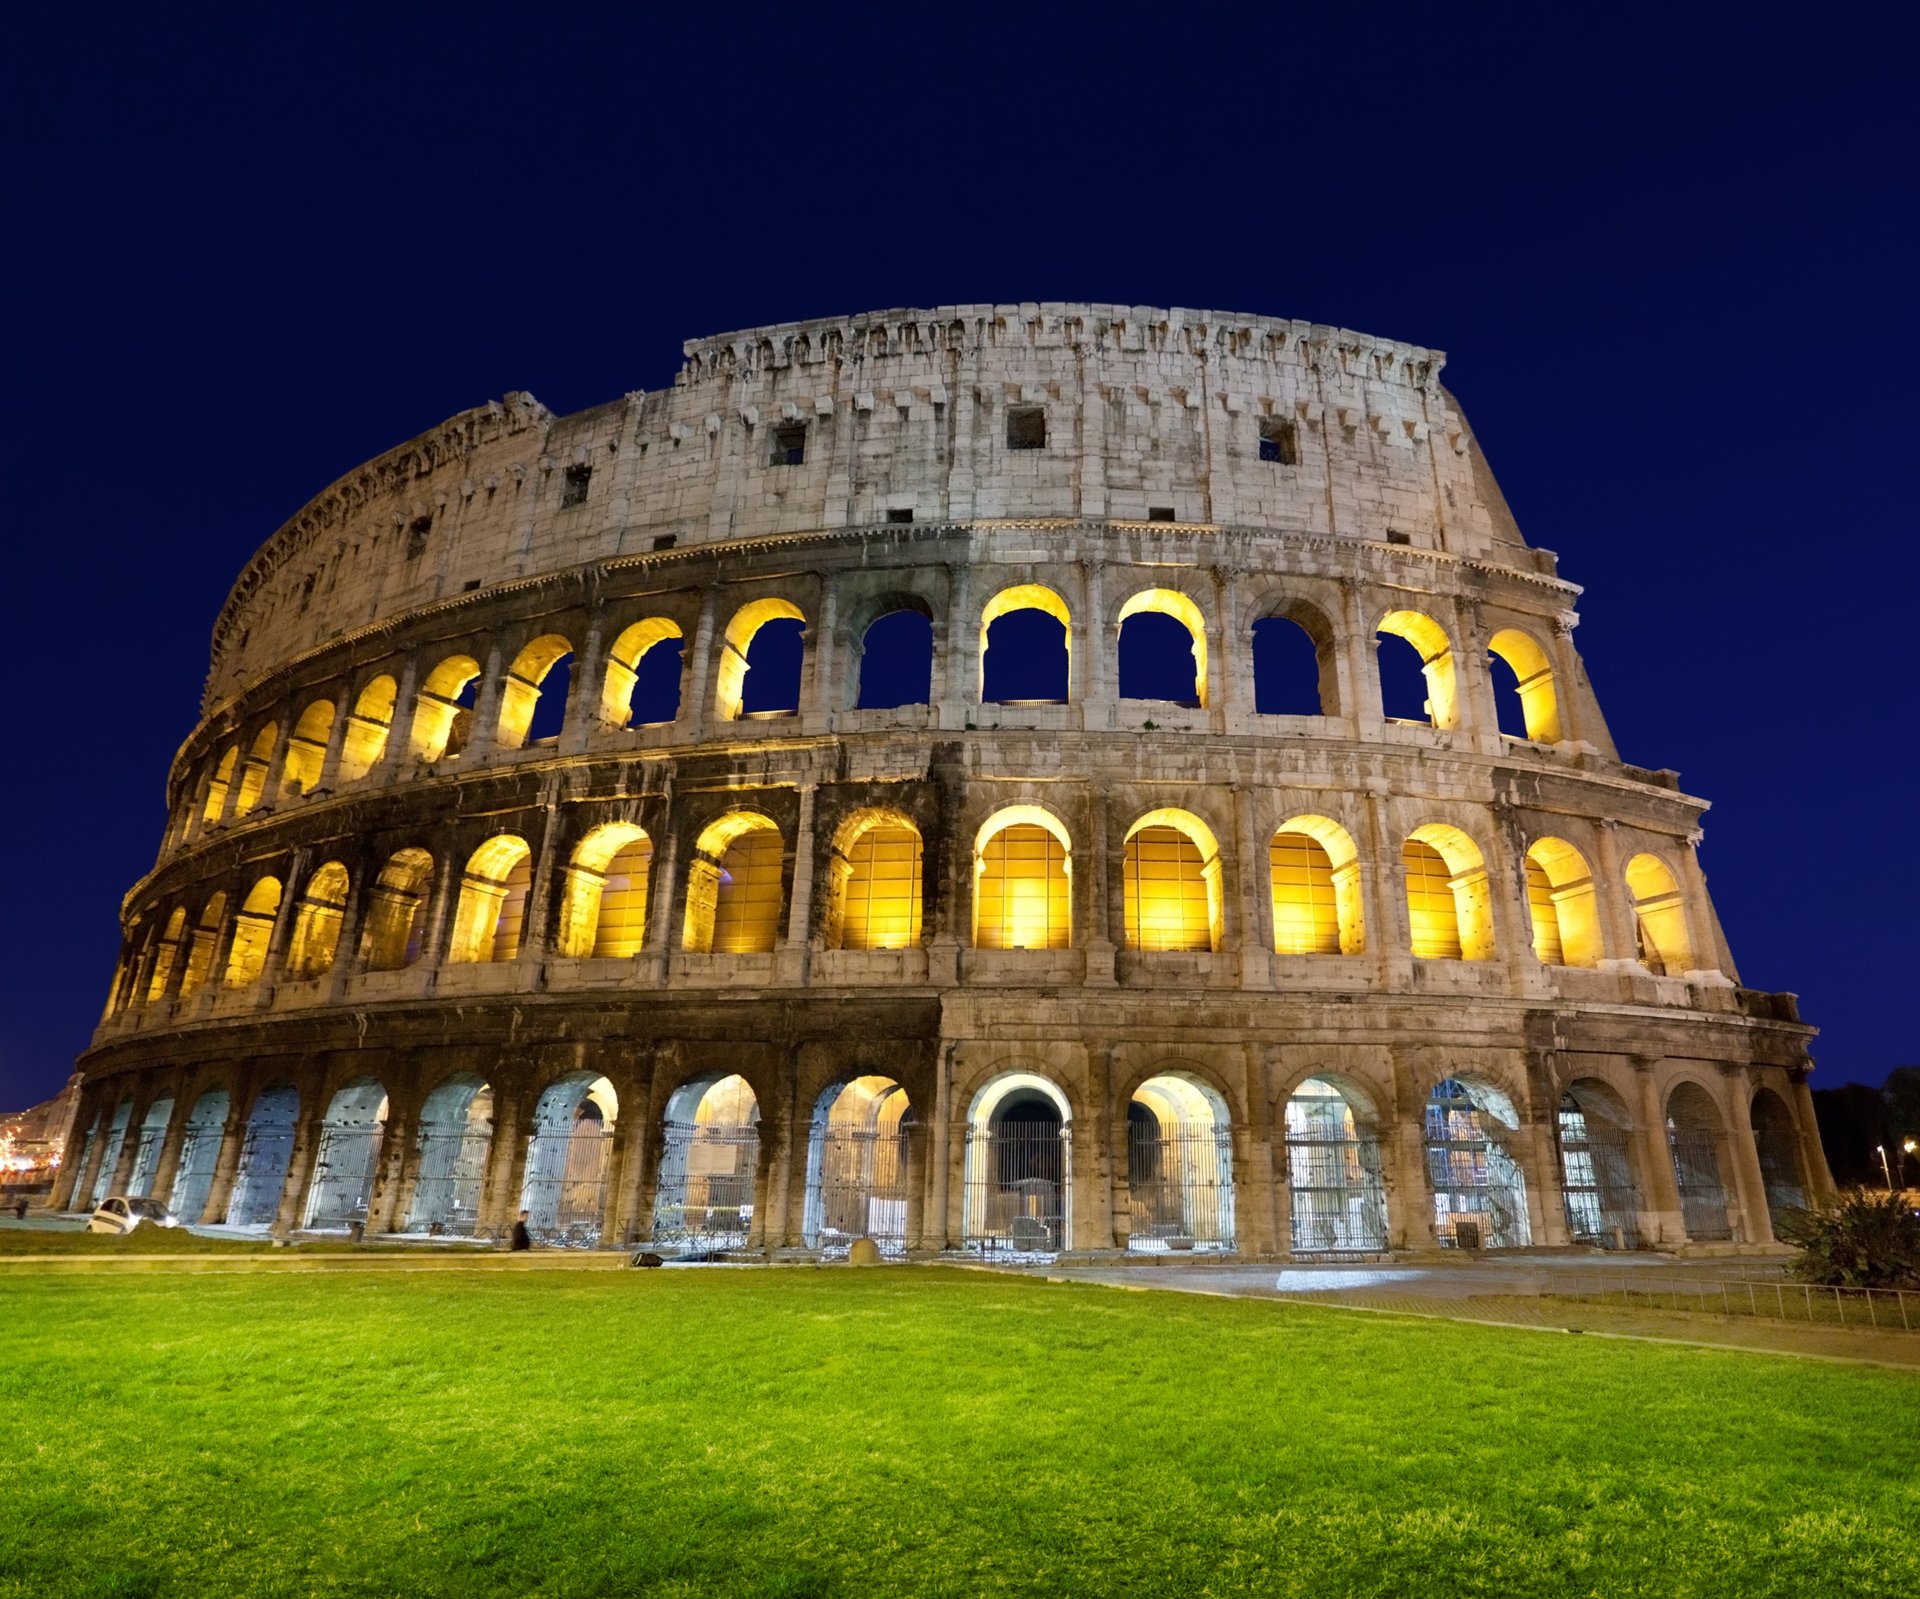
1885,1171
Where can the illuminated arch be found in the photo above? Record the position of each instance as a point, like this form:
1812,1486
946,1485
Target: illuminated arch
1019,1165
367,729
1022,881
623,666
1562,905
1660,916
734,887
1171,891
316,924
218,784
1335,1174
172,937
440,720
1449,908
1595,1138
396,911
206,934
1179,1165
1539,701
1171,602
857,1167
455,1139
1026,597
603,906
266,1153
252,933
199,1154
520,692
1314,875
1777,1143
1472,1136
253,772
564,1191
348,1156
874,892
731,685
307,748
709,1164
489,916
1430,640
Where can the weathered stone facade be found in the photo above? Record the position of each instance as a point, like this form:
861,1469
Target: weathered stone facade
1549,1016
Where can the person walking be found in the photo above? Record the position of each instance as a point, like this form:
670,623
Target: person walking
521,1238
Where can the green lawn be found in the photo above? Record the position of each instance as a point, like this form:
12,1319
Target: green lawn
907,1431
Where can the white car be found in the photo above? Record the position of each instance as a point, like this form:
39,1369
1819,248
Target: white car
119,1214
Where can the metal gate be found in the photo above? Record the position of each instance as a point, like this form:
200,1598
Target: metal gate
146,1157
343,1175
1339,1198
704,1199
1696,1170
453,1170
857,1188
193,1177
77,1200
1596,1175
265,1153
109,1158
1179,1187
1018,1175
1478,1196
566,1184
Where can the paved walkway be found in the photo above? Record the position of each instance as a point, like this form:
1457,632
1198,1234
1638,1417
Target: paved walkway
1514,1292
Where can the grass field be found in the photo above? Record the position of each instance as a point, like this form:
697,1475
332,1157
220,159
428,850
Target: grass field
907,1431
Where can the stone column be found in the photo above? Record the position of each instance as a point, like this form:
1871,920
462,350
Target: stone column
536,934
1249,879
941,1232
306,1149
227,1165
506,1155
1616,913
484,739
584,688
1383,893
821,662
1749,1182
400,1165
435,936
168,1166
1361,697
696,698
957,671
793,955
915,1145
1091,672
1096,895
1099,1194
1403,1159
765,1228
71,1179
396,755
329,778
1262,1201
1659,1186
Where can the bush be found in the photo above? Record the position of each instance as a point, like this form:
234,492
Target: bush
1861,1240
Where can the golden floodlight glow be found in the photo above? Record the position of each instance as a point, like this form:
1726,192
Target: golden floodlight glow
603,902
730,684
1660,916
396,911
880,898
1539,704
520,692
1024,597
493,901
1021,885
367,729
623,666
1170,883
438,703
1436,662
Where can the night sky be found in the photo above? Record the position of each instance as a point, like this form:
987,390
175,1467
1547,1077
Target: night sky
1673,269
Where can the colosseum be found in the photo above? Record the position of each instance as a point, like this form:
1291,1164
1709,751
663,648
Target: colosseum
1019,779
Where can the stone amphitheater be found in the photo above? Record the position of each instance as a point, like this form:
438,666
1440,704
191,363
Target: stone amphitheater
1025,779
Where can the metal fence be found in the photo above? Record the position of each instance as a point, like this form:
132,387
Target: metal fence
1888,1309
566,1185
857,1189
1703,1196
705,1196
265,1153
1596,1169
453,1168
1338,1196
193,1177
343,1177
1179,1187
1017,1183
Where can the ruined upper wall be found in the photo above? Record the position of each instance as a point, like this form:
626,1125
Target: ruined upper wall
906,411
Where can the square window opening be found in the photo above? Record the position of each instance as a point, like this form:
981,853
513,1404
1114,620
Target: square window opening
665,541
1279,442
790,444
1027,427
1159,513
1395,536
574,491
417,531
899,516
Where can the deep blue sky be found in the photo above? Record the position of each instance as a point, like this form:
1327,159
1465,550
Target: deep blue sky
1673,266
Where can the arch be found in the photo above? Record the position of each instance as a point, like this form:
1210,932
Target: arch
1695,1136
857,1167
1018,1167
1562,905
368,727
1479,1190
443,709
1334,1170
1179,1166
730,691
1294,655
1533,685
116,1136
217,785
307,749
316,924
266,1151
253,933
489,916
1314,875
1777,1142
1449,909
199,1155
735,887
1659,917
1022,881
522,690
709,1162
896,657
603,905
1171,889
1594,1131
206,936
875,893
167,955
1430,642
456,1136
565,1189
347,1158
146,1152
254,770
396,914
1008,602
628,659
1179,608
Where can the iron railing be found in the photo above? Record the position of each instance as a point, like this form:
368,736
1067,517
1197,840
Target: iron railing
857,1188
1887,1309
343,1175
1018,1180
1180,1188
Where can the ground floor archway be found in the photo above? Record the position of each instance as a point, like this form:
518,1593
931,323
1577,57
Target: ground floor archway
1018,1168
456,1136
709,1160
347,1159
1179,1167
1479,1191
1694,1137
266,1151
1595,1137
146,1154
565,1190
1334,1174
199,1155
857,1167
